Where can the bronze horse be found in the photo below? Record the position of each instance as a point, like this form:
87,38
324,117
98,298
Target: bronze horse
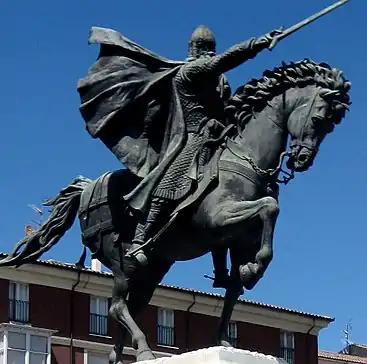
304,100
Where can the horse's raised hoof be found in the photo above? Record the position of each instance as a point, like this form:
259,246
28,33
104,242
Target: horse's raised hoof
250,275
145,354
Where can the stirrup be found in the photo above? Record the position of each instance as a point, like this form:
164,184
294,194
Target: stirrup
136,251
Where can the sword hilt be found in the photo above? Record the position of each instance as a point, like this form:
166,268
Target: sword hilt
276,39
273,43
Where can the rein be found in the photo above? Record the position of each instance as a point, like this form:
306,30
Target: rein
263,174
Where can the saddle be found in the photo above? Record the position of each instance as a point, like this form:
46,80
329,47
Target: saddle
102,207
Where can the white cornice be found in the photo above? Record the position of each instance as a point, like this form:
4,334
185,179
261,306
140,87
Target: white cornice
96,347
100,285
9,326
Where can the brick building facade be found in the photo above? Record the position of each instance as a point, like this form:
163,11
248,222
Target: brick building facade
52,313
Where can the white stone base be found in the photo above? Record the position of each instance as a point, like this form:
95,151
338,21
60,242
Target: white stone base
218,355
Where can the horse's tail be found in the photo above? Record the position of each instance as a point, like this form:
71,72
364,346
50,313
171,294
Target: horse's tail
64,210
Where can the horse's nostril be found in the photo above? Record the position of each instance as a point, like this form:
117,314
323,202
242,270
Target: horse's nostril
302,158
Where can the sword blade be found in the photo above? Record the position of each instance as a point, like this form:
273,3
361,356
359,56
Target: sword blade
306,21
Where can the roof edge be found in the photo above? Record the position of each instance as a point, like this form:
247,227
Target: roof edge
342,357
70,266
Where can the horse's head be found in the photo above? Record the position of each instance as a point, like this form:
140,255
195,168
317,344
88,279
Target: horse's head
314,109
308,99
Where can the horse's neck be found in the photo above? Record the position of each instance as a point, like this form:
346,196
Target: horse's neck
264,137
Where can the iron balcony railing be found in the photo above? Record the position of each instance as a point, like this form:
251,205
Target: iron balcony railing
287,354
98,324
19,311
166,335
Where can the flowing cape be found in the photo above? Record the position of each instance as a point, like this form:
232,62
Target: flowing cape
129,101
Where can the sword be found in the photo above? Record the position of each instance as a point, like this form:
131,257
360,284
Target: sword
305,22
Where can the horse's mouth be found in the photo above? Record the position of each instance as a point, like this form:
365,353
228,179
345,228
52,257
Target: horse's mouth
301,161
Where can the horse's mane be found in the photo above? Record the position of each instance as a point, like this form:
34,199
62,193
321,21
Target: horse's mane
255,95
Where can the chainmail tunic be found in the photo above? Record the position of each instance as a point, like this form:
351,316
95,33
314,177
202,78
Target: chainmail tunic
176,182
202,99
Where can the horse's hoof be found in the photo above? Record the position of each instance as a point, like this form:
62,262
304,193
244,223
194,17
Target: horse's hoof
225,343
146,354
112,358
250,274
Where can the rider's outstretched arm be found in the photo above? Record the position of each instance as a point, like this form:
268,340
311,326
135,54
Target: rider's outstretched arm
232,58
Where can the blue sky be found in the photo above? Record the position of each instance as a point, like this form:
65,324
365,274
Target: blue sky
320,246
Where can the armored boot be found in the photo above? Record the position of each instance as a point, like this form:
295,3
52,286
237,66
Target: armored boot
143,230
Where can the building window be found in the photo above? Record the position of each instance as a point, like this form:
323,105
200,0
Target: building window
98,315
166,327
24,346
95,358
17,347
18,302
1,347
287,346
232,333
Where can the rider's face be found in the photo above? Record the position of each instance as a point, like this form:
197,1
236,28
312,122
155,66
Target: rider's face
206,54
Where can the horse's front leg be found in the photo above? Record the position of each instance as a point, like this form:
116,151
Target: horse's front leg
233,292
251,273
236,215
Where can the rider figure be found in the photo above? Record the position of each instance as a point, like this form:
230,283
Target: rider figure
203,92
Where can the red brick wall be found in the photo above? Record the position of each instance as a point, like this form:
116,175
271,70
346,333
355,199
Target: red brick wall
4,300
182,327
147,321
78,355
190,334
259,338
201,331
50,308
306,349
60,354
81,309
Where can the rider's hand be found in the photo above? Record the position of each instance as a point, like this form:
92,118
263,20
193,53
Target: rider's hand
275,32
265,41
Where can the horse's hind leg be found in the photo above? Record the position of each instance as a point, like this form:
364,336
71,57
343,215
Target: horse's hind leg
139,300
136,302
119,310
141,289
111,256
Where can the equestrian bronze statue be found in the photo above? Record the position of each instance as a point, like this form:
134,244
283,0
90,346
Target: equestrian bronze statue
202,166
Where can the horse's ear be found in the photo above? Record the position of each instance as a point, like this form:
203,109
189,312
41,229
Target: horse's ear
347,86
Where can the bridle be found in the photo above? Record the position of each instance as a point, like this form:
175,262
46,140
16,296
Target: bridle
300,143
268,174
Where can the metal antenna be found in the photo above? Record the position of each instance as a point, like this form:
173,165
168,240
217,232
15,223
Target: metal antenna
39,212
347,335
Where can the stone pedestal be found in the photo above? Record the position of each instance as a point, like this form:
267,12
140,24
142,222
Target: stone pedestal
218,355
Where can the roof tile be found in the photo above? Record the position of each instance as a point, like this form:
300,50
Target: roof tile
70,266
342,357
